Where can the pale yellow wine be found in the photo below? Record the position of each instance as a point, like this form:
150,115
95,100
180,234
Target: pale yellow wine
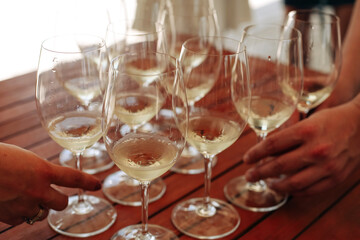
75,131
198,87
144,75
144,156
211,135
84,89
313,95
191,59
136,108
265,113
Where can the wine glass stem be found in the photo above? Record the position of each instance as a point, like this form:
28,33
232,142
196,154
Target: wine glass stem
260,185
207,176
79,167
144,205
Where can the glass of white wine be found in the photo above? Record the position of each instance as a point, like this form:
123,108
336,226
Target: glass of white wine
187,19
275,67
214,125
135,36
145,153
74,122
92,21
321,55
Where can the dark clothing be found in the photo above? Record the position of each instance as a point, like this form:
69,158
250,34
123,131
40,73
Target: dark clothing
316,3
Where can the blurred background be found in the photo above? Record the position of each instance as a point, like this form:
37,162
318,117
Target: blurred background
25,24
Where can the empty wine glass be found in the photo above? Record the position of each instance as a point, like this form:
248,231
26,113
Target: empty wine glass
275,68
68,64
145,153
214,125
321,55
134,36
187,19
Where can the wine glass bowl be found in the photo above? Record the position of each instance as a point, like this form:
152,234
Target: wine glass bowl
145,153
321,54
275,68
134,35
67,65
214,125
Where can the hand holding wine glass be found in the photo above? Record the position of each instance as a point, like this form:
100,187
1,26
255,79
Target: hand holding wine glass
214,125
321,151
68,64
275,67
145,153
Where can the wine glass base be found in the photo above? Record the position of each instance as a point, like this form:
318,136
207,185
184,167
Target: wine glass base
237,191
122,189
93,160
188,219
155,232
98,216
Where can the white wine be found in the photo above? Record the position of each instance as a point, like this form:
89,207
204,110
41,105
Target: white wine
75,131
144,156
313,95
144,74
192,59
265,113
84,89
136,108
211,135
198,86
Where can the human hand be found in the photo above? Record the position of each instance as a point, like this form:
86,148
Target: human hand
314,154
25,184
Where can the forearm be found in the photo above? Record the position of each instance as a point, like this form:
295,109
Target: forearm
349,80
353,118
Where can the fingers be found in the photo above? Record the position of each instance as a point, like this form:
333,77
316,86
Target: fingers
68,177
284,164
41,214
300,181
273,145
53,199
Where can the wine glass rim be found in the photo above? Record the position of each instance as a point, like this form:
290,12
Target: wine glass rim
159,28
298,33
99,45
176,65
240,49
333,17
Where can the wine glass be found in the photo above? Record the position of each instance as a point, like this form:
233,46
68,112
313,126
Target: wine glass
134,36
321,55
275,68
145,153
187,19
70,63
92,21
214,125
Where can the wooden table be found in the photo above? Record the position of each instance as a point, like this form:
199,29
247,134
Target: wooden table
331,215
